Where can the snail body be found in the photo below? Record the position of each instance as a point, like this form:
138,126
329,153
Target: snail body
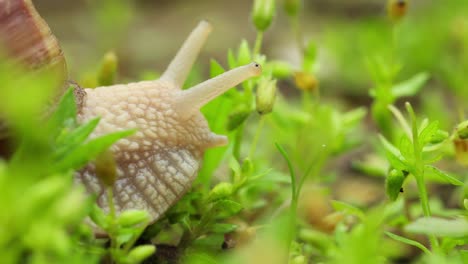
157,164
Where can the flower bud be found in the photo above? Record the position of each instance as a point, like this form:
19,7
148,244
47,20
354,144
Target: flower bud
108,70
396,9
439,136
461,151
465,203
266,95
306,81
133,217
394,183
221,190
462,130
263,13
106,168
292,7
140,253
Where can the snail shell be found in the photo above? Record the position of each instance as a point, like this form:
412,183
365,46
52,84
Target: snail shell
26,37
157,164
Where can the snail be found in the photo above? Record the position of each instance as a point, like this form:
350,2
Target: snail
156,165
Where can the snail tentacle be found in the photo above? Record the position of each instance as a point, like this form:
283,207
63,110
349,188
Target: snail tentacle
191,100
180,66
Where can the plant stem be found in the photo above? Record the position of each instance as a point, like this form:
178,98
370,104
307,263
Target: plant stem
419,172
294,21
237,142
258,43
253,146
425,207
112,226
294,199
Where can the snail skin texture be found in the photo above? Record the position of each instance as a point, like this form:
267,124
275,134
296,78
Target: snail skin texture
157,164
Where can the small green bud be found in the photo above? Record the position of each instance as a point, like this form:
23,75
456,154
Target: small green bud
263,13
465,203
292,7
439,136
462,130
106,168
394,183
237,117
133,217
266,95
140,253
108,70
221,190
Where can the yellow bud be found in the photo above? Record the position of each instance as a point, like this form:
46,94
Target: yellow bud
106,168
306,81
266,95
461,151
396,9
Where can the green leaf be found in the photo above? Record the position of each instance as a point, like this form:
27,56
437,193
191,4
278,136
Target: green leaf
411,86
98,216
426,135
65,112
226,208
140,253
439,227
394,183
82,154
69,141
393,154
133,217
232,62
243,56
352,118
347,208
406,148
292,173
215,68
237,117
222,228
408,241
444,175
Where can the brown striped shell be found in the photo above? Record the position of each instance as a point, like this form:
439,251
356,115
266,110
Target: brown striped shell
25,36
